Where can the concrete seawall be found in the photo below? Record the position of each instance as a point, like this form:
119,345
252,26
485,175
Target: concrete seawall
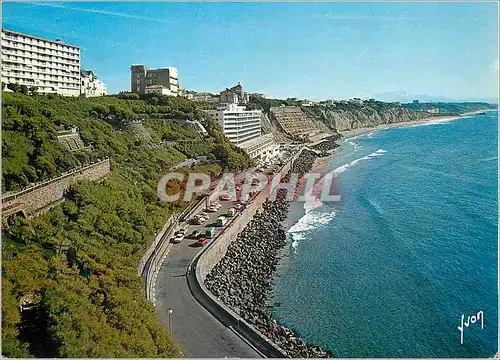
32,199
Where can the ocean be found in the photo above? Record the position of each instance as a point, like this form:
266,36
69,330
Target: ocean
389,270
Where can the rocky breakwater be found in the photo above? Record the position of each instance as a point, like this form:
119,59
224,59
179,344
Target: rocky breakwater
328,144
242,279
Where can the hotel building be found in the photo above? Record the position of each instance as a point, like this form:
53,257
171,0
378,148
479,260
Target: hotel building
49,66
243,128
141,79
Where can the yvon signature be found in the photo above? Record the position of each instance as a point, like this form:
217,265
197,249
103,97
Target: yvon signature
470,320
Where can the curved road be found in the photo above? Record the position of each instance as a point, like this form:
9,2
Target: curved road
197,331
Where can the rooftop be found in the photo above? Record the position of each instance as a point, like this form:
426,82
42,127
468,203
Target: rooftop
57,41
257,141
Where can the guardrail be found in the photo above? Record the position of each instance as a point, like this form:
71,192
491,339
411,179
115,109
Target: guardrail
149,252
150,263
152,260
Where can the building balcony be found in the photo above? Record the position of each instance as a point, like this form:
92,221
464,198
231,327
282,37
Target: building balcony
40,51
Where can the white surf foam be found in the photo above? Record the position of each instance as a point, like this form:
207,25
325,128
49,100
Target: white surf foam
312,220
356,146
343,168
488,159
296,237
435,122
306,223
311,205
370,135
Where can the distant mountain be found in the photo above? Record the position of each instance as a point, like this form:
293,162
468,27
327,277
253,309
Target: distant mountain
404,97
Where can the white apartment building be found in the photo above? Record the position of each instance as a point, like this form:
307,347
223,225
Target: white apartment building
239,125
243,128
91,86
50,66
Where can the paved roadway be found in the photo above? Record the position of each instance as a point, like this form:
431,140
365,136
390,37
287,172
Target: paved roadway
197,331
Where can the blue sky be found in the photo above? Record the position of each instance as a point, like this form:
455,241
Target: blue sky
305,50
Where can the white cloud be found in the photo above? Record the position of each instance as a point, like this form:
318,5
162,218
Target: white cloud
103,12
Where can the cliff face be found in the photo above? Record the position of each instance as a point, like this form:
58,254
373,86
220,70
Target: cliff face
363,116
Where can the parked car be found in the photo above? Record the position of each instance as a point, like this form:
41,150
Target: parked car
210,232
197,220
221,221
178,238
196,234
231,212
239,207
202,241
225,197
211,209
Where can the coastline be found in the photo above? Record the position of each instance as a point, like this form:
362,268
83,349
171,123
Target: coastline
288,261
321,163
437,119
355,132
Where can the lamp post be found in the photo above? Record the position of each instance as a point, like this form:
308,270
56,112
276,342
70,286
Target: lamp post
170,311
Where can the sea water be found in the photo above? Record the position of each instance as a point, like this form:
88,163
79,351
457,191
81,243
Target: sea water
411,247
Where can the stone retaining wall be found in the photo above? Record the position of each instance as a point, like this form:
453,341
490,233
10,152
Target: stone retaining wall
32,199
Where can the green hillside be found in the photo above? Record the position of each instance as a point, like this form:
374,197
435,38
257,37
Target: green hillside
80,259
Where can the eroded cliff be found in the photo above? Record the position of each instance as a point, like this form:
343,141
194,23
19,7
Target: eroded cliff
343,119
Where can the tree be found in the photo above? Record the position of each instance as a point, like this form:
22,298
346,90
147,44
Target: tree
14,87
23,89
33,90
82,256
3,85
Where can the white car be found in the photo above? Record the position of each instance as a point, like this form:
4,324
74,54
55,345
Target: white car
211,209
200,218
178,238
239,207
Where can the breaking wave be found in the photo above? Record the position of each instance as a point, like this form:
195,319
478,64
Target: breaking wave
310,221
343,168
436,122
